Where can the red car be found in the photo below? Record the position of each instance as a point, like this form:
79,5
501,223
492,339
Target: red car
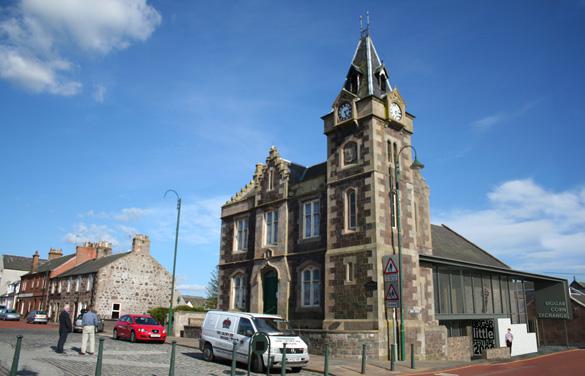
139,328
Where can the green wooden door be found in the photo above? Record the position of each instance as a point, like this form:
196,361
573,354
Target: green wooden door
270,287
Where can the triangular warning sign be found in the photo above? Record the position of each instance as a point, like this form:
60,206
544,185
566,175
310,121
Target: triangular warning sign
391,294
390,267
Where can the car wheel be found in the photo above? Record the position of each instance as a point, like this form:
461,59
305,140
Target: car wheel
257,364
115,334
208,352
133,337
296,369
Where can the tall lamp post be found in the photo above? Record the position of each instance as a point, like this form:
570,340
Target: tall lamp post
170,322
416,165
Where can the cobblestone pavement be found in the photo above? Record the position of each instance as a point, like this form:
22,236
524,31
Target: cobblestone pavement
120,358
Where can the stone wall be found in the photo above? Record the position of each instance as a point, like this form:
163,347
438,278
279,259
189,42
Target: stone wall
435,343
346,344
497,353
459,348
136,281
186,319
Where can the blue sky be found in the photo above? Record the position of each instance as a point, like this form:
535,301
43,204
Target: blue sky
105,105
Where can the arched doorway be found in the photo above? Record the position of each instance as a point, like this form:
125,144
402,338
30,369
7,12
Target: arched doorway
270,290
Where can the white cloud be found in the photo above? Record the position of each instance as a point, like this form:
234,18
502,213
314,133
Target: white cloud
487,122
91,233
528,226
192,289
39,32
129,214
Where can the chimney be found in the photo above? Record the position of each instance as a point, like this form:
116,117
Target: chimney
103,249
85,252
141,244
35,262
55,253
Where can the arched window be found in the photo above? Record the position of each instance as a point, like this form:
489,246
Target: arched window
311,287
239,292
351,209
350,153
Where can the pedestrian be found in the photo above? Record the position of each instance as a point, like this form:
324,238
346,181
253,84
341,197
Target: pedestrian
509,338
64,328
89,323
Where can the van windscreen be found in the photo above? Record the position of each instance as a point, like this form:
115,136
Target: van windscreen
273,326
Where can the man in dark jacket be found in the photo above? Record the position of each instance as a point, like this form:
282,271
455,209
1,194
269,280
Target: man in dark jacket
64,328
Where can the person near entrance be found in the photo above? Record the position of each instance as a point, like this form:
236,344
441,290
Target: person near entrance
64,328
509,338
89,323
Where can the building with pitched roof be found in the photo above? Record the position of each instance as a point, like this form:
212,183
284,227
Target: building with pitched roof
115,284
307,243
11,269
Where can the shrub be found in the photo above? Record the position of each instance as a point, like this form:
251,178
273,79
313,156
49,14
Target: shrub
160,314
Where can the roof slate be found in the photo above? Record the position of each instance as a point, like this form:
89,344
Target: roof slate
93,266
52,264
451,245
19,262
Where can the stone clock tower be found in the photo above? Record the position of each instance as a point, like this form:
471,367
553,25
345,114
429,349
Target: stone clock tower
367,130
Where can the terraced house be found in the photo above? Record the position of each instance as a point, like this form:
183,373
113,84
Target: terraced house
307,243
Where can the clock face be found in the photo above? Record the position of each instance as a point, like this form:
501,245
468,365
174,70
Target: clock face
344,111
395,111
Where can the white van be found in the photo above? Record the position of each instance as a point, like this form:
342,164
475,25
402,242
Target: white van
220,330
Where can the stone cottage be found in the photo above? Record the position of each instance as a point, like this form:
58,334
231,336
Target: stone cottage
307,243
115,284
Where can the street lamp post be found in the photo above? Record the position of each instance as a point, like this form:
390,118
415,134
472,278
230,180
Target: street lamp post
170,322
416,165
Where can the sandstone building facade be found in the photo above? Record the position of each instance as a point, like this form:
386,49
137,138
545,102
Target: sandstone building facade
307,242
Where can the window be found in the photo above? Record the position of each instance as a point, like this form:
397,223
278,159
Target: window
311,219
89,282
239,292
115,310
271,219
389,151
395,154
241,232
245,327
69,284
349,272
53,287
78,283
311,287
59,286
350,210
270,178
350,153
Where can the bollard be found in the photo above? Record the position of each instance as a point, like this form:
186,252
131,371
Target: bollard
326,365
233,370
412,355
392,357
98,366
364,359
16,357
283,362
172,366
270,361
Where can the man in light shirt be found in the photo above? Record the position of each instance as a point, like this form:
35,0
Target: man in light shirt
89,323
509,338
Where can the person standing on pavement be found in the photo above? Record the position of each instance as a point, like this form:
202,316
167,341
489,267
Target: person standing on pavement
89,323
509,338
64,328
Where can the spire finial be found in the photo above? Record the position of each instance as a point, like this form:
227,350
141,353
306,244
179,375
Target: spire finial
365,31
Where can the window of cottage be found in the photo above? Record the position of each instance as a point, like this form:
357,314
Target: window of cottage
89,282
241,232
311,219
350,153
351,210
311,287
239,292
59,286
78,283
271,221
115,310
53,287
